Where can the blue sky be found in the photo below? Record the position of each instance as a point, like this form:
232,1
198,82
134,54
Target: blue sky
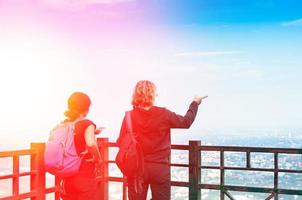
230,11
250,51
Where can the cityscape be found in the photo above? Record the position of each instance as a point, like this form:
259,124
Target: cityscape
208,176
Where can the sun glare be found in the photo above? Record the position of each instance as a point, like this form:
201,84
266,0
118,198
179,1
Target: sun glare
25,83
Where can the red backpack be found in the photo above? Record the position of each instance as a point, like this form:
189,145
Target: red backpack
130,158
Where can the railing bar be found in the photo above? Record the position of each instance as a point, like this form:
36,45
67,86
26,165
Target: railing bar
250,189
179,165
123,180
27,195
172,164
231,168
116,179
4,154
27,173
234,148
180,184
238,168
238,188
289,171
51,190
20,196
180,147
253,169
209,167
252,149
173,146
9,198
8,176
290,192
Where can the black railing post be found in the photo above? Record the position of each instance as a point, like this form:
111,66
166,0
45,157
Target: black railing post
104,151
194,170
222,175
276,175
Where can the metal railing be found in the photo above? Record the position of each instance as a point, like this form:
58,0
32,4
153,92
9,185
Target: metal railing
273,192
37,173
194,165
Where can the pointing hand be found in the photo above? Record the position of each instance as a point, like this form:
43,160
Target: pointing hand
198,99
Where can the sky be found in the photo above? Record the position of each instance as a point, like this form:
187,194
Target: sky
246,55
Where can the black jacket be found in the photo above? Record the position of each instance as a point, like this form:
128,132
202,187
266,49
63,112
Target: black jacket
153,128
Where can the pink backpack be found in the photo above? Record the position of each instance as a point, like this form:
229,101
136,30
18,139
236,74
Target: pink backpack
60,157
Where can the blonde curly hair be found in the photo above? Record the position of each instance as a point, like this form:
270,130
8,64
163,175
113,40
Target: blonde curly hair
144,94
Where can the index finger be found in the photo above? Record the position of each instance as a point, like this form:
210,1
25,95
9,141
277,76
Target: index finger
204,97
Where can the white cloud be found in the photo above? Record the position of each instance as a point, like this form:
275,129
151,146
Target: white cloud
297,22
206,53
250,73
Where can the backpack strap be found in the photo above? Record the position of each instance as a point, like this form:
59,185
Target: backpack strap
129,126
73,123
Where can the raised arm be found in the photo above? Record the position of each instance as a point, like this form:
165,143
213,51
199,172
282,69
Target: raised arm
179,121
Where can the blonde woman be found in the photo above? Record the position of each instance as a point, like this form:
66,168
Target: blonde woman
153,126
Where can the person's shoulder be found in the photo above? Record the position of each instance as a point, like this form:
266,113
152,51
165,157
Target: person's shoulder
160,110
85,122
